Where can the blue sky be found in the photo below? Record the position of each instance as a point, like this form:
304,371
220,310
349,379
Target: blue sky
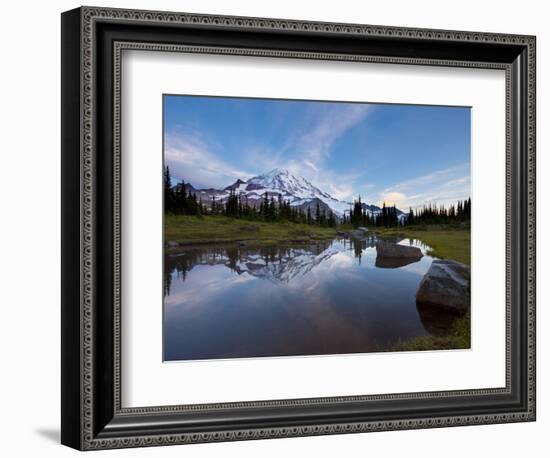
403,154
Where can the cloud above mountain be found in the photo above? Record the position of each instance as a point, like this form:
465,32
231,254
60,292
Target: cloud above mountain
401,154
316,144
190,158
190,154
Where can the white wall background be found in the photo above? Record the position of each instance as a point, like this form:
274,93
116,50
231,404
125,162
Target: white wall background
30,214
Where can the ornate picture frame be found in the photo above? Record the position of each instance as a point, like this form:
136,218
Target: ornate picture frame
93,416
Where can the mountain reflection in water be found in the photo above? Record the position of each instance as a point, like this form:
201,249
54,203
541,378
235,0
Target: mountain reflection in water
327,297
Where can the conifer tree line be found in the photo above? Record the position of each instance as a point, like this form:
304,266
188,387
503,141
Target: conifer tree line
178,201
359,216
432,214
270,209
428,214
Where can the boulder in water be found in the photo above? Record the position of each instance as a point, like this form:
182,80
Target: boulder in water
446,286
357,234
393,263
386,249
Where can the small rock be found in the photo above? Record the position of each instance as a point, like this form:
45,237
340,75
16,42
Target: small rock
342,233
363,229
172,244
445,285
387,249
242,243
358,234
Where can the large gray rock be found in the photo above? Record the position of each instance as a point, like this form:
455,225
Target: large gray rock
357,234
387,249
446,286
363,229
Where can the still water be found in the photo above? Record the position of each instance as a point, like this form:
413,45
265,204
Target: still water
329,297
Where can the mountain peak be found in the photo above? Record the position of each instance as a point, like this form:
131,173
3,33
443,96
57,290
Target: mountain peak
295,189
235,185
276,172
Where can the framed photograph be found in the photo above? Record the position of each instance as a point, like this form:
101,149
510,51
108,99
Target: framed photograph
278,228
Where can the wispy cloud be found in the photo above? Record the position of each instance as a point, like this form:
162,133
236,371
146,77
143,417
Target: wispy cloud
304,153
442,187
192,159
310,150
316,144
437,177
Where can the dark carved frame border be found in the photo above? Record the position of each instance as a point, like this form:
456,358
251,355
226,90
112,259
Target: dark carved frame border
93,39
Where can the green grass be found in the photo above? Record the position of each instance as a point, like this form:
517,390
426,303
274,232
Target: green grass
458,338
220,229
446,242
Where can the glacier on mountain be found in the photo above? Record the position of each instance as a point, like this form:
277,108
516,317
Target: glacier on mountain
280,182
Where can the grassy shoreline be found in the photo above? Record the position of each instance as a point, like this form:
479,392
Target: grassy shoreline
446,242
459,338
194,230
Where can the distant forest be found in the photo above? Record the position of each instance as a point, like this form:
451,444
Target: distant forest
178,201
428,214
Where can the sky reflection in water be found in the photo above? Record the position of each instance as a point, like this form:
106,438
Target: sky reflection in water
324,298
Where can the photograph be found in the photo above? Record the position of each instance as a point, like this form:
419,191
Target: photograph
308,227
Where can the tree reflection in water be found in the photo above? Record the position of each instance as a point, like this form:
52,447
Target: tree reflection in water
282,262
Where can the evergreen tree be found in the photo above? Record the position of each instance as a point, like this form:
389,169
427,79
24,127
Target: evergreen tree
180,199
331,221
394,219
272,210
384,215
280,207
214,206
317,214
266,203
410,218
168,191
192,204
356,216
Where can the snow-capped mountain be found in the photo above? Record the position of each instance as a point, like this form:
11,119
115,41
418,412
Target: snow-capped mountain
280,182
287,264
299,191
